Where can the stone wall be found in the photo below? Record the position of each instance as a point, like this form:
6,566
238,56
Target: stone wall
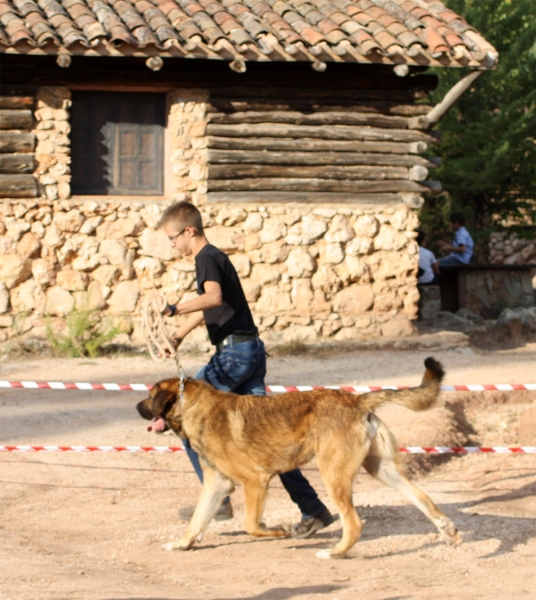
52,152
509,249
186,127
309,272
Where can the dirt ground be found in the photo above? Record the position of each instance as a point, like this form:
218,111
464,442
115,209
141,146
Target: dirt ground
91,526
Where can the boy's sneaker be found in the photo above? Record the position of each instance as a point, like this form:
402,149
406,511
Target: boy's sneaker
308,527
225,512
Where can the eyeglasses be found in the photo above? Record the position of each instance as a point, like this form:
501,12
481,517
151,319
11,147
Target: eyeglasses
174,237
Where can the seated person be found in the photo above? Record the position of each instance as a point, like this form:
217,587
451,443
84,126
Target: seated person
428,273
462,246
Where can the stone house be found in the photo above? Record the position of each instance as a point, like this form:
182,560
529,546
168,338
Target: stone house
297,128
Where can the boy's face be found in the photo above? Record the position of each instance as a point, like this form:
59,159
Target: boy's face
455,225
180,237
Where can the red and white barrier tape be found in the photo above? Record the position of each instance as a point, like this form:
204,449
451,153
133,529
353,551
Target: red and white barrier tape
404,450
142,387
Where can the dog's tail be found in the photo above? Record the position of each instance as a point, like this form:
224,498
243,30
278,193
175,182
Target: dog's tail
416,398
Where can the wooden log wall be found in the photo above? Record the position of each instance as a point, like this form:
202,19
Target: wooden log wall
17,146
315,145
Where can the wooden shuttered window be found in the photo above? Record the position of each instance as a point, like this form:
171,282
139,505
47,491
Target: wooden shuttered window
117,143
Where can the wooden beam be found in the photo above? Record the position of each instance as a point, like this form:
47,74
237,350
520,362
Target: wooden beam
18,186
314,158
325,132
425,122
317,118
17,142
312,185
20,102
315,145
16,119
17,163
304,197
230,105
229,171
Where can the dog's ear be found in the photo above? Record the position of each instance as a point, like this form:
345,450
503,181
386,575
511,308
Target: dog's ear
162,402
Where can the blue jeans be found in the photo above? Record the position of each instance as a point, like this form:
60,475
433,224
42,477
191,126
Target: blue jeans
240,368
451,260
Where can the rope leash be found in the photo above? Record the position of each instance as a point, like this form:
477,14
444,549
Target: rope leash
158,340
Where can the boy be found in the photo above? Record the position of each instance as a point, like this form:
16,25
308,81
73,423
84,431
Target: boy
462,246
428,266
239,364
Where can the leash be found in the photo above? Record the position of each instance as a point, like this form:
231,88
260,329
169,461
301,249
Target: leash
158,340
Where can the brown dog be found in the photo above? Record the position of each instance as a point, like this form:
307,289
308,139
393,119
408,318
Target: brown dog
249,439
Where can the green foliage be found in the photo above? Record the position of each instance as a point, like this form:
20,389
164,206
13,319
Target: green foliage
488,137
85,336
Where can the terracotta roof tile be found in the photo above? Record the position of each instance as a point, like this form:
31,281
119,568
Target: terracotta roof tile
372,28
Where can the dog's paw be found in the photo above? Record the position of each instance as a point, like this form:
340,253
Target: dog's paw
180,545
324,554
449,533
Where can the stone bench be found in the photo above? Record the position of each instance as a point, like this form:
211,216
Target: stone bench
486,289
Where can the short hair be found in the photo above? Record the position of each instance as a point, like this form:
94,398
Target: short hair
457,217
420,236
184,213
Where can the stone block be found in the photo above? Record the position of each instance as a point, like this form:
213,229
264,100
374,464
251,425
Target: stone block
14,270
7,244
273,300
148,266
273,229
266,274
227,239
353,300
397,327
242,264
90,224
306,231
156,244
389,238
125,297
274,252
106,274
4,298
300,263
119,229
59,302
114,250
28,245
366,226
339,230
252,290
69,222
91,299
73,281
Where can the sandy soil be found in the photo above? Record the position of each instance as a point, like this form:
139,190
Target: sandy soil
91,526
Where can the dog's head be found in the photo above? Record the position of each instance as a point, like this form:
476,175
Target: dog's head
158,407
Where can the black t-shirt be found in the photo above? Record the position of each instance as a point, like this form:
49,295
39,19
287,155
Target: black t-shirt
233,316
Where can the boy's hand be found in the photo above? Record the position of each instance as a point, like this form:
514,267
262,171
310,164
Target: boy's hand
442,244
176,341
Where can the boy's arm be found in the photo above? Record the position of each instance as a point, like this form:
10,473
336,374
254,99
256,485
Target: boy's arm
212,298
190,323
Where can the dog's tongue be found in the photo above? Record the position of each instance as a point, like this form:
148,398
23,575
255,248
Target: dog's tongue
158,425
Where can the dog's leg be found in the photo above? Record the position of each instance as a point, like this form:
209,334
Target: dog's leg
215,487
338,471
383,462
255,495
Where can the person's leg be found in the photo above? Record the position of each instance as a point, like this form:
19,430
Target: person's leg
302,493
450,261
